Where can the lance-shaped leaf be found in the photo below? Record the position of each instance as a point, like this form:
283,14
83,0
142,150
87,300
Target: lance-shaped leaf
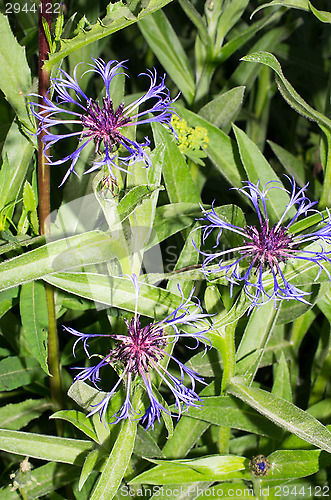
57,449
17,415
15,77
292,464
33,309
322,15
286,89
117,463
16,372
212,468
285,414
165,44
75,251
118,17
117,292
258,169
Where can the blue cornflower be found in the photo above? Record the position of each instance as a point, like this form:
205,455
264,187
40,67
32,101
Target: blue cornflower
266,247
140,352
102,124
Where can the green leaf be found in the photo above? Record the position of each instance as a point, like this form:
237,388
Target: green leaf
146,446
186,434
172,218
294,166
211,465
282,383
30,205
7,300
117,292
282,413
257,330
230,14
15,78
118,17
79,420
258,169
220,148
223,109
16,372
291,464
322,15
291,310
189,256
213,468
117,463
177,176
296,4
237,310
34,316
229,412
286,89
75,251
135,198
44,447
16,155
196,19
207,364
242,38
86,396
142,219
88,466
17,415
165,44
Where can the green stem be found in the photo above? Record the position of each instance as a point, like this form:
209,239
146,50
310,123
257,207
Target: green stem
204,83
53,351
23,494
229,360
225,343
224,435
325,200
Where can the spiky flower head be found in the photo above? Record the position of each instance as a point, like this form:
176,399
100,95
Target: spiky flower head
102,124
267,247
141,354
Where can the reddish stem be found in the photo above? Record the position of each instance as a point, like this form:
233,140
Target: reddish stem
44,211
43,75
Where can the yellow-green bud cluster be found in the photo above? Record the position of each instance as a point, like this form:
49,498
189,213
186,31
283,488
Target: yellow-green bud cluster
189,138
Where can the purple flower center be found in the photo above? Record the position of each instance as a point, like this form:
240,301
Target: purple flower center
141,346
103,124
266,246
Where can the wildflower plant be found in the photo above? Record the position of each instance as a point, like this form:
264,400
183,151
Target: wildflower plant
140,353
66,104
263,389
266,248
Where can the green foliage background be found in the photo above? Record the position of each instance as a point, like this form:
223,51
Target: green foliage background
256,77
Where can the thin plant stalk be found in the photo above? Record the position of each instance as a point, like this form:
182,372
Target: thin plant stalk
44,211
